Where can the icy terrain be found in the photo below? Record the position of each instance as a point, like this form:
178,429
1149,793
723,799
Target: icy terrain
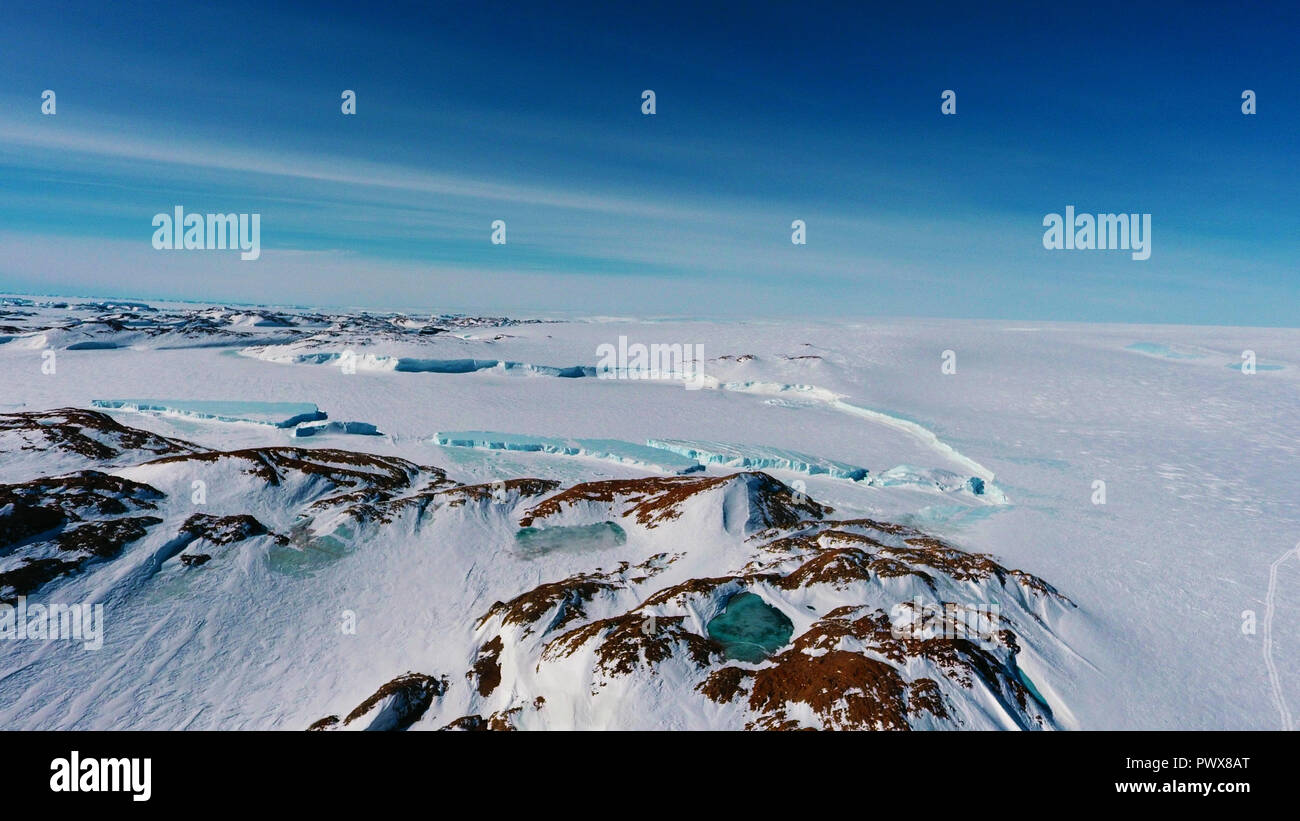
626,453
275,414
762,458
435,574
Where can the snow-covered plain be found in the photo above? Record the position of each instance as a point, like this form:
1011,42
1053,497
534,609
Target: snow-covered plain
1199,461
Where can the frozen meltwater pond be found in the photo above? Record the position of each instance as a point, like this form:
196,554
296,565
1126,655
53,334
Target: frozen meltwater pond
750,629
1161,350
1183,352
1259,367
537,541
275,414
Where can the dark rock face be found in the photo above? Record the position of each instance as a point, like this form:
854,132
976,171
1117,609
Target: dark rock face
30,508
395,706
93,435
487,667
80,514
223,530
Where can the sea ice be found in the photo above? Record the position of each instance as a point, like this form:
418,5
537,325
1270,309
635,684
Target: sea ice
942,480
320,426
276,414
757,457
613,450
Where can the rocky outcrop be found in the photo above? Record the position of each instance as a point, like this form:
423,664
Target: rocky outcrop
394,706
53,526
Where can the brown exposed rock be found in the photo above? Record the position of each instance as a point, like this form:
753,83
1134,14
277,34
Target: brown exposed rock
919,555
365,486
679,593
1039,586
724,684
223,530
92,540
838,568
632,640
31,575
438,493
502,721
93,435
565,599
883,527
654,500
471,723
779,506
29,509
846,690
924,696
887,568
851,689
522,488
63,512
105,539
656,564
325,723
487,667
407,697
344,469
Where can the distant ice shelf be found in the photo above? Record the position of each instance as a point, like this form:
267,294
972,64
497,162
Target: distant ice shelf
790,395
688,456
415,365
613,450
673,455
410,364
275,414
319,427
759,458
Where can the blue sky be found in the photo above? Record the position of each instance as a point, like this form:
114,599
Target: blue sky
467,113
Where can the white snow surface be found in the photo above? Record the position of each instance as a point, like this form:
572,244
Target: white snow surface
1202,497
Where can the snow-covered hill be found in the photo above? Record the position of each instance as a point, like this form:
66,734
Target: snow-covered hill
624,643
799,542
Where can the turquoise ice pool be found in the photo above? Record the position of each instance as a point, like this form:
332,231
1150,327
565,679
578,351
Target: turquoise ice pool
750,629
